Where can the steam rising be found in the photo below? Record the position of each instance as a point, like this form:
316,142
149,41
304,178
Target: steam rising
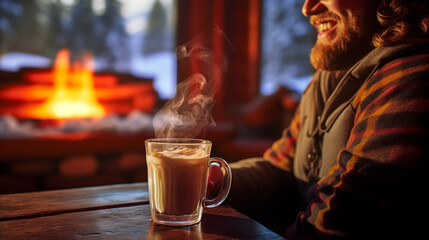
200,69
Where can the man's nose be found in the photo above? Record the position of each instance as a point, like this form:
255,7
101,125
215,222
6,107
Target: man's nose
312,7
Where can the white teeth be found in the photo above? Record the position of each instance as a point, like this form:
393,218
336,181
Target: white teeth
325,26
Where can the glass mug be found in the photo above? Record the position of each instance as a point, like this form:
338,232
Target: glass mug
177,179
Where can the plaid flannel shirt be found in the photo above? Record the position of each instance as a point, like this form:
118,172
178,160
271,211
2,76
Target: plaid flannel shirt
378,181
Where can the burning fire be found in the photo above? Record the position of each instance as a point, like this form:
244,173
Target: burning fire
73,94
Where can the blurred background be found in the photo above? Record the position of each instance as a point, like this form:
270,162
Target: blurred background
80,81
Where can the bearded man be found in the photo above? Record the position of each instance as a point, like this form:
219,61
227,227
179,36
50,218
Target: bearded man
352,162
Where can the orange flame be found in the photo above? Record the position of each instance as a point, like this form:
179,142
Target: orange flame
73,94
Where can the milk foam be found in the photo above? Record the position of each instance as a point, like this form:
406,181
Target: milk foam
187,153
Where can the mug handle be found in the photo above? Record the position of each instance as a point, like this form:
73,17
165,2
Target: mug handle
226,183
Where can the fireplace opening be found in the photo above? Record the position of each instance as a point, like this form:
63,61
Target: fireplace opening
73,93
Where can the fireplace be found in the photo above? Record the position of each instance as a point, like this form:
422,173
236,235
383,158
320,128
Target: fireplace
79,84
67,126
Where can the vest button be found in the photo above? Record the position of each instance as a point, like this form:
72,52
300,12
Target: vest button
312,155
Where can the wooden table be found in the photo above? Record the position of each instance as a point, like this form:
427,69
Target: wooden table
111,212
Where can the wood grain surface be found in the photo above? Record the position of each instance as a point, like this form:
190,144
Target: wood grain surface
112,212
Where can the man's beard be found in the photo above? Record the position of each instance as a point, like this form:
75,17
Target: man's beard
352,42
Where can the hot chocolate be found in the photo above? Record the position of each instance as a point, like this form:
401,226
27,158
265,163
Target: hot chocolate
177,179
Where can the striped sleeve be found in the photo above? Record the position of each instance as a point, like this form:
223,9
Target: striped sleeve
282,152
378,181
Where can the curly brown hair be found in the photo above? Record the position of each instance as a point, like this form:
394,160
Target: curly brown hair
400,20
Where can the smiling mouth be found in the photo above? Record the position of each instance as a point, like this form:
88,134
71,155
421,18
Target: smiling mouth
324,26
324,23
